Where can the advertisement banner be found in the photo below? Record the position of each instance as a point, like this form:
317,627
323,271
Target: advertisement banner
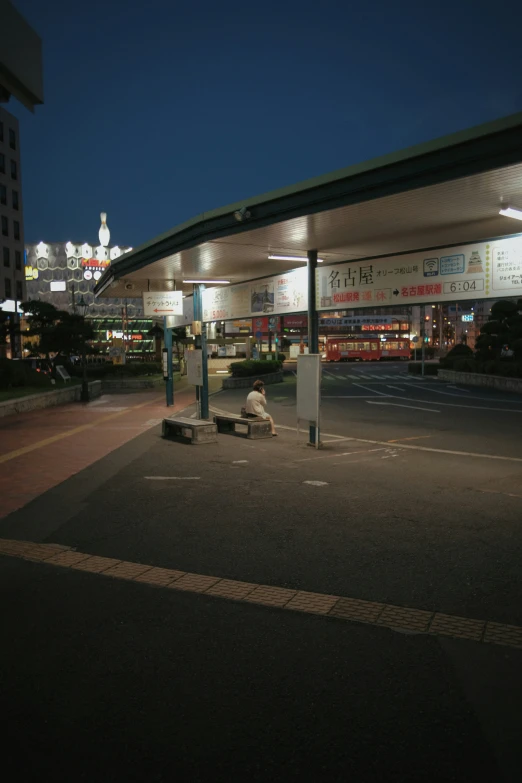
478,271
270,296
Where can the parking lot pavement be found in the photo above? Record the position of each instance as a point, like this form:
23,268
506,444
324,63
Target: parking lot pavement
139,681
113,680
447,417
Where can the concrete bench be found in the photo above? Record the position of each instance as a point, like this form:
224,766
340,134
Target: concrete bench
256,428
195,430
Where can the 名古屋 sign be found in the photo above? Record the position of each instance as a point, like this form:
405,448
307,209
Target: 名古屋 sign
477,271
162,303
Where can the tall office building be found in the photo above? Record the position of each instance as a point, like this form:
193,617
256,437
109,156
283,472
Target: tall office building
21,78
12,280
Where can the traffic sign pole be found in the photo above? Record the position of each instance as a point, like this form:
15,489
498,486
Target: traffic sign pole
169,386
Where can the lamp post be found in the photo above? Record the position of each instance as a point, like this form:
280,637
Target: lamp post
83,306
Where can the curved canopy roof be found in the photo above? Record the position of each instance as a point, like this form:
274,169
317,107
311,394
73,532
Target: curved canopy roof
445,192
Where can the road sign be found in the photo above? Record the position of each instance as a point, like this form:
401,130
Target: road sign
415,339
259,335
162,303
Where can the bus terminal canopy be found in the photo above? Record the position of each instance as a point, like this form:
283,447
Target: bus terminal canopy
442,194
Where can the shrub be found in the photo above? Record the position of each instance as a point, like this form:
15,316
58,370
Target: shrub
16,374
459,351
464,365
129,370
251,367
429,352
280,357
415,368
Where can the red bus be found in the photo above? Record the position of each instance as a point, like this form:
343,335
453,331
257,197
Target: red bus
363,349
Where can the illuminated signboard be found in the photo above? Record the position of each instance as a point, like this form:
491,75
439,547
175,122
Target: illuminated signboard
93,268
468,317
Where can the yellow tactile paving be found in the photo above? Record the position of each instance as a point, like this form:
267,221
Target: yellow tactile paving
342,608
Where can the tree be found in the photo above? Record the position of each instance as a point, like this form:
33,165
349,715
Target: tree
503,328
57,330
41,318
70,333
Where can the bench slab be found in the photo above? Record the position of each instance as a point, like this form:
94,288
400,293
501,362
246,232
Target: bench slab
256,428
195,430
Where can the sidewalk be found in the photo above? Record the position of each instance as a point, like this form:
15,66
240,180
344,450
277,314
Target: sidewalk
42,448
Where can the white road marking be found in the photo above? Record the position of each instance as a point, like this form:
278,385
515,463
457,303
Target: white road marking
240,462
455,405
316,483
342,454
466,391
487,399
373,391
398,405
153,422
329,375
397,388
172,478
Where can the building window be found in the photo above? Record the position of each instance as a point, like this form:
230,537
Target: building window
3,195
5,227
19,291
12,139
14,170
2,163
18,260
16,203
16,229
6,256
7,288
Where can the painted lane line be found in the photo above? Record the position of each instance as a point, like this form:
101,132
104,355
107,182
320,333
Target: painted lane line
413,437
329,375
486,399
466,391
316,483
172,478
455,405
397,388
415,448
348,396
373,391
398,405
342,454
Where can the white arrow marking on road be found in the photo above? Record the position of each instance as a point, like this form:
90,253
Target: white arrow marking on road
397,405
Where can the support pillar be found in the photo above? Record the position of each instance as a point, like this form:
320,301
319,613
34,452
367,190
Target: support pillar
201,344
169,384
313,325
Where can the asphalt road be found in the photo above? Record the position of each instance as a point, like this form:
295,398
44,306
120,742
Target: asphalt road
116,680
382,401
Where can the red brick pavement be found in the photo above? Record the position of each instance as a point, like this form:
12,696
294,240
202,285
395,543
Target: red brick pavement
40,449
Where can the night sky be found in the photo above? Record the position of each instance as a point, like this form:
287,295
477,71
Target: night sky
157,111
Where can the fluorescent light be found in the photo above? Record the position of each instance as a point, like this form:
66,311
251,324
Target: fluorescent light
512,213
274,257
58,285
208,282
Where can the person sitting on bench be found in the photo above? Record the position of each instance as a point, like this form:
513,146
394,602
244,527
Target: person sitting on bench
255,405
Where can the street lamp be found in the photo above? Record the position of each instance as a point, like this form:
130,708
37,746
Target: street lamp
82,307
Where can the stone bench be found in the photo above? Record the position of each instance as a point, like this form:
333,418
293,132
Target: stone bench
256,428
195,430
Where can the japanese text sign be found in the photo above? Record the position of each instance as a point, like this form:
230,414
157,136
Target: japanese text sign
162,303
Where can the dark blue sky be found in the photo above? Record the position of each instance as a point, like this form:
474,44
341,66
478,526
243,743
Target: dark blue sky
160,110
